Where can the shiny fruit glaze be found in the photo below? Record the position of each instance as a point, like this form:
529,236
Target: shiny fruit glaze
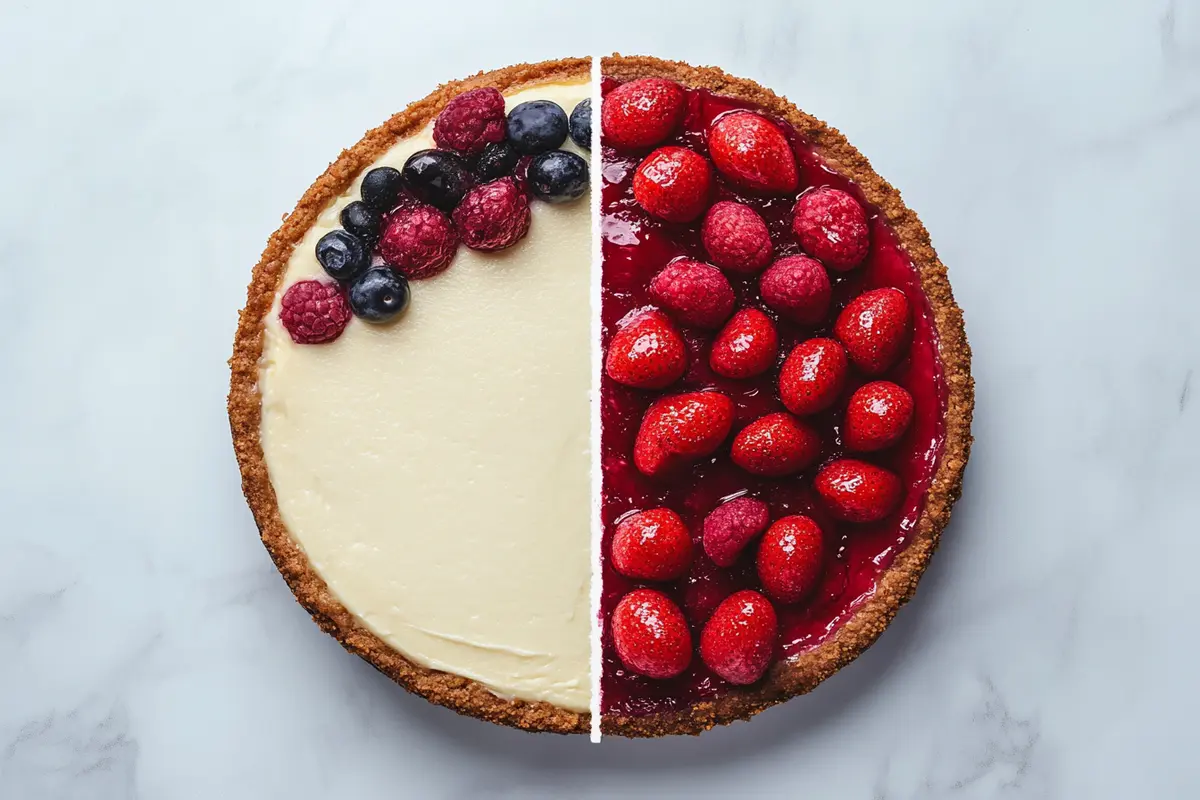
635,247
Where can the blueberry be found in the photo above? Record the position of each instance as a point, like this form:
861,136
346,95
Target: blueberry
362,221
558,176
497,160
581,124
343,255
379,295
537,127
381,188
437,177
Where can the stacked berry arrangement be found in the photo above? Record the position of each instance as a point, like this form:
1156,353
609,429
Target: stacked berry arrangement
472,189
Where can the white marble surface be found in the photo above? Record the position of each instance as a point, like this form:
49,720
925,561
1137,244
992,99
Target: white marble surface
148,649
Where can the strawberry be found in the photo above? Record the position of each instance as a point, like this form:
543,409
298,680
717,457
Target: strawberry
739,640
813,376
696,294
673,184
874,327
652,545
752,152
731,526
646,352
774,445
681,428
641,113
798,288
832,226
651,635
791,557
746,346
877,416
857,491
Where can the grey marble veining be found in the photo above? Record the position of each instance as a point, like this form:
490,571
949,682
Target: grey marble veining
148,649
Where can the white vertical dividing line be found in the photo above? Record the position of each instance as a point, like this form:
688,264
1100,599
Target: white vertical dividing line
597,360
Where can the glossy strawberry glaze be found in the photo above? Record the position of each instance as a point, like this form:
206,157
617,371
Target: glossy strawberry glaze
635,247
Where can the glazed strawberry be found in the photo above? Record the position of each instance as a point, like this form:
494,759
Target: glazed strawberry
752,152
418,241
874,327
746,346
774,445
641,113
798,288
681,428
646,352
694,293
492,216
673,184
857,491
731,526
736,237
739,640
791,557
813,376
651,635
877,416
471,121
832,226
652,545
314,312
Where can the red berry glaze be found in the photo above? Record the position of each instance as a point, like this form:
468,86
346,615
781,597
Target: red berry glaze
774,445
471,121
642,113
729,527
694,293
813,376
314,312
877,416
651,635
832,226
798,288
652,545
736,238
752,152
492,216
875,328
746,346
673,184
646,352
791,558
738,642
857,491
418,241
680,429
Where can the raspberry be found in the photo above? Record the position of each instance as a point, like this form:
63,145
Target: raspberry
641,113
731,526
832,226
736,237
418,241
314,312
673,184
471,121
696,294
798,288
492,216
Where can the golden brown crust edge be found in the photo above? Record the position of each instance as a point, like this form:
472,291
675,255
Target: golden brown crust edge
899,582
245,406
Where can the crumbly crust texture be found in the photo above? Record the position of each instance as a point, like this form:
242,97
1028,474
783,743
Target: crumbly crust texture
897,584
245,416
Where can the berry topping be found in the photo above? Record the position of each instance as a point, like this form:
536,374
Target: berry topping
856,491
731,526
419,241
641,113
437,177
651,635
790,559
537,127
798,288
471,121
492,216
581,124
832,226
813,376
877,416
673,183
874,328
343,255
379,295
652,545
381,188
736,237
646,352
361,220
679,429
313,312
739,640
774,445
752,152
496,161
694,293
558,176
746,346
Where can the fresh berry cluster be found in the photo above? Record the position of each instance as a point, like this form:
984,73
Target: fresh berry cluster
473,188
751,314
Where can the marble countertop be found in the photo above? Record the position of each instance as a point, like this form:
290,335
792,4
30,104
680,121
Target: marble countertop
148,648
